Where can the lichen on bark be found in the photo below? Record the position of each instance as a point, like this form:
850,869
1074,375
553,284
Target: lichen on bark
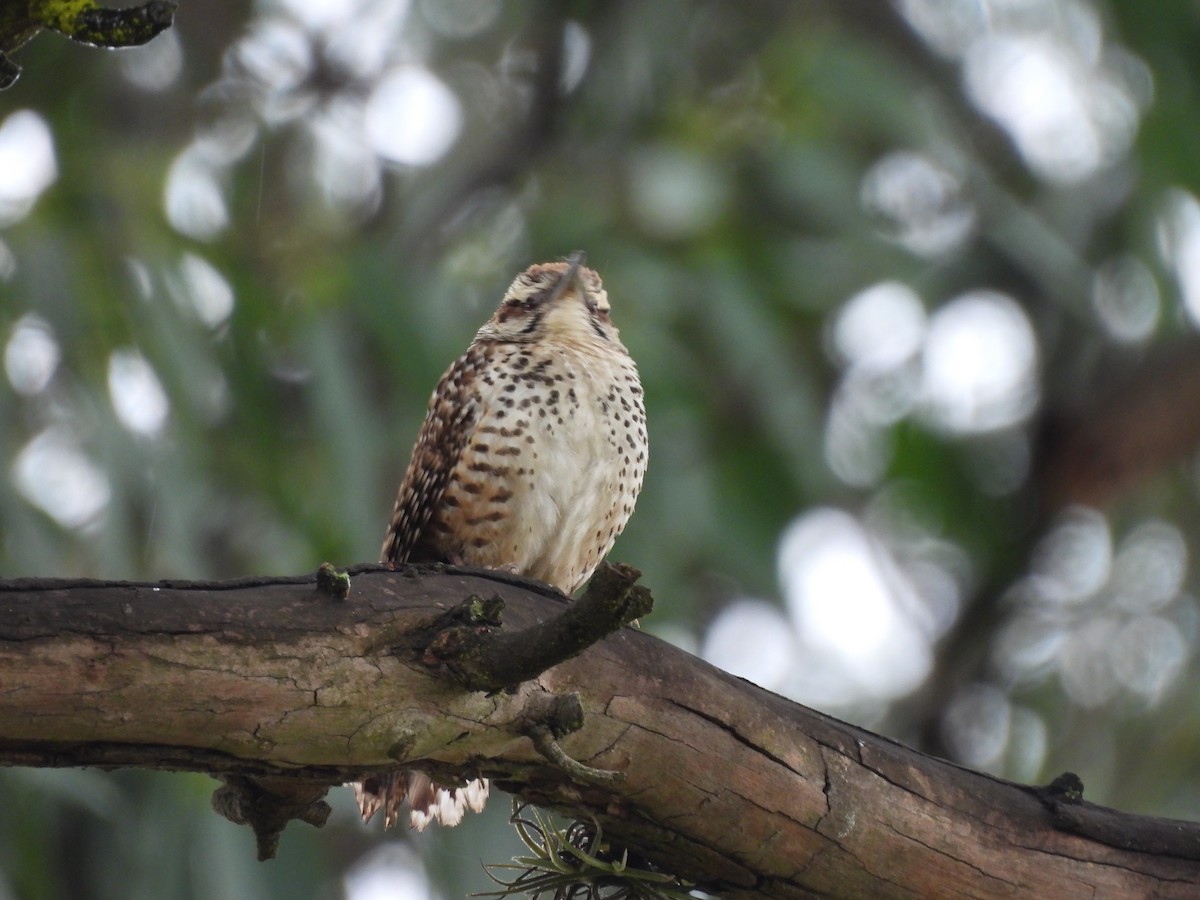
83,21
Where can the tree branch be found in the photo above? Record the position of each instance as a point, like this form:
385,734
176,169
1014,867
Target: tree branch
84,21
482,658
725,785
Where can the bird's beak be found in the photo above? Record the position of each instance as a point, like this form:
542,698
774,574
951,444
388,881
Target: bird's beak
570,276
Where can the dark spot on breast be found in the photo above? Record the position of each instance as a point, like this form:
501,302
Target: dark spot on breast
494,516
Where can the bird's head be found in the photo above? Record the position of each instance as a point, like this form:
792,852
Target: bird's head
562,302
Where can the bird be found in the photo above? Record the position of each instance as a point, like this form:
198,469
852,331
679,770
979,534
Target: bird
530,460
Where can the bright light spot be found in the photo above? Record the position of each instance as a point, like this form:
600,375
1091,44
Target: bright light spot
1027,647
1029,740
1075,559
195,203
919,201
1149,655
31,355
851,604
980,360
412,117
136,393
877,336
976,725
675,193
577,53
54,475
1085,664
1149,567
460,19
223,139
1095,617
392,871
321,15
935,569
1043,69
363,45
206,290
881,327
1125,297
855,446
276,54
27,164
1069,116
154,66
1179,239
344,167
753,640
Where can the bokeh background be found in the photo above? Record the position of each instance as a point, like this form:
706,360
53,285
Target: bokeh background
914,289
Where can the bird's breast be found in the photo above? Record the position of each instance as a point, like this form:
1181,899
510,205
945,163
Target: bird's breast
553,466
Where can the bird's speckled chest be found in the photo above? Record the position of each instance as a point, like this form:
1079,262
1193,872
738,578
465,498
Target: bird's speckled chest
552,466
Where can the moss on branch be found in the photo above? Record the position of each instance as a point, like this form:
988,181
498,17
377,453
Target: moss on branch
83,21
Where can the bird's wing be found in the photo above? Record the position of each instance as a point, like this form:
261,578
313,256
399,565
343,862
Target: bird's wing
449,423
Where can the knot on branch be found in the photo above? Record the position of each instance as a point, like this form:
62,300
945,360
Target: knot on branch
1066,788
468,646
268,804
551,716
332,582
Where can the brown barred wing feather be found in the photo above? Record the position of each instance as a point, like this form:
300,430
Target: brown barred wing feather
449,422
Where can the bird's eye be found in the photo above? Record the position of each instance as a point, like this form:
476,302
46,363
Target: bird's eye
526,302
535,298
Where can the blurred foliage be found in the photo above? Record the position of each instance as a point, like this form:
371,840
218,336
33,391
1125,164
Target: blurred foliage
234,262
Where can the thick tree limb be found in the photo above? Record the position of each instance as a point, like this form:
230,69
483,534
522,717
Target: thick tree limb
725,784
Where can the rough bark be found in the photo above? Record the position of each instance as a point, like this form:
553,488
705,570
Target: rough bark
725,784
